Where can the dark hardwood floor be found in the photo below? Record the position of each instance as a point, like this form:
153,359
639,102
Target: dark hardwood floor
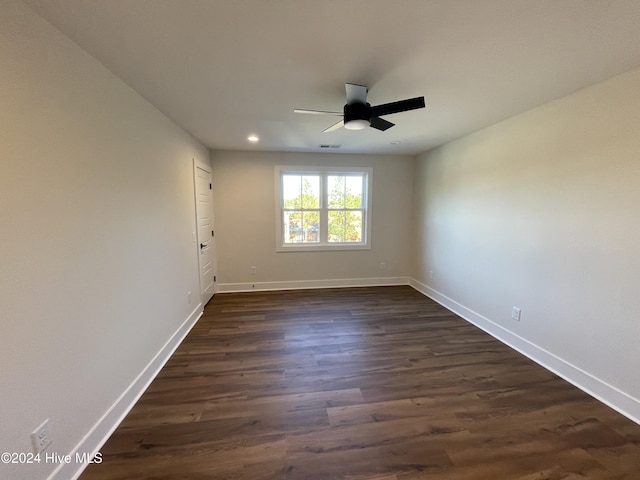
360,384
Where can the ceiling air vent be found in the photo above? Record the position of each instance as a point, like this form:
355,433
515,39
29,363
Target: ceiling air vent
326,145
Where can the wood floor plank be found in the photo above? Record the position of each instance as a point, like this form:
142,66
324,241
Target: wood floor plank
375,383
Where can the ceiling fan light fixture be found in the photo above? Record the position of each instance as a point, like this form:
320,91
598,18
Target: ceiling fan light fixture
357,124
358,114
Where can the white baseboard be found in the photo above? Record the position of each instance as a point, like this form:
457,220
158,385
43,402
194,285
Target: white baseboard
307,284
597,388
106,425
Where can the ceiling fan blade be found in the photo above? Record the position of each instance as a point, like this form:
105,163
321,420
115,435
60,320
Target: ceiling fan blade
316,112
396,107
333,127
381,123
356,93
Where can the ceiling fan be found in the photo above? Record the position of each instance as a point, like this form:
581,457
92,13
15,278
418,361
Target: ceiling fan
358,114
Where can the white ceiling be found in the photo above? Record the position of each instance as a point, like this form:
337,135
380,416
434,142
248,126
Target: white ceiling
223,69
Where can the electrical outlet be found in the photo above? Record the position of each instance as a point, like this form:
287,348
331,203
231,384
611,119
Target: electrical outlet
41,437
430,274
253,270
189,297
383,266
515,314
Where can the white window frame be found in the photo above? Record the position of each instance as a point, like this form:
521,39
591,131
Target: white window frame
281,170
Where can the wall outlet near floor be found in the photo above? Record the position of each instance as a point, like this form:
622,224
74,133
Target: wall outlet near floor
189,297
41,437
515,314
383,266
252,270
430,274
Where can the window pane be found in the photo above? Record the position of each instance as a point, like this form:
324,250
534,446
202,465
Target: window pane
311,191
292,191
311,227
345,226
353,226
353,191
336,226
292,227
301,227
335,191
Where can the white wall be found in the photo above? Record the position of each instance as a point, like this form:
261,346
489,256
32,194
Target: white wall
541,212
244,198
96,217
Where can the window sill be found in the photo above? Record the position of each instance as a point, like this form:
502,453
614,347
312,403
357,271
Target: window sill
321,247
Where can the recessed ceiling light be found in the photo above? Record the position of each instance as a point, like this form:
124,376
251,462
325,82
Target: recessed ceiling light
253,138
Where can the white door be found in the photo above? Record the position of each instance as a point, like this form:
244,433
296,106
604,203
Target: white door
206,231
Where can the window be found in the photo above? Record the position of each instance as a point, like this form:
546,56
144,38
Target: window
320,208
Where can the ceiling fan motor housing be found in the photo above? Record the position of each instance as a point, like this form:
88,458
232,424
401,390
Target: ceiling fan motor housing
357,115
